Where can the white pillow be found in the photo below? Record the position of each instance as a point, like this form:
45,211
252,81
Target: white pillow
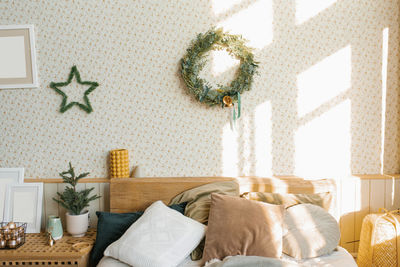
160,237
108,261
310,232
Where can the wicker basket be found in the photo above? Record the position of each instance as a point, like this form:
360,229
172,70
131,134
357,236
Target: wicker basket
380,240
12,234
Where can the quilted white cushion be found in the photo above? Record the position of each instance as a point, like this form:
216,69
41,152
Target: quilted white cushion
161,237
310,232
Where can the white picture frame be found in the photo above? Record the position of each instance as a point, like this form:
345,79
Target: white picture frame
18,57
24,204
8,176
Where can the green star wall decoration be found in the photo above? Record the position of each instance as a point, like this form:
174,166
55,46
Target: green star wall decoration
64,106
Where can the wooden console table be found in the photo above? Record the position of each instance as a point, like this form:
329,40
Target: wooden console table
36,252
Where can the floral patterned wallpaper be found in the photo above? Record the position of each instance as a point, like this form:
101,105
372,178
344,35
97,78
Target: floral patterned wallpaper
325,101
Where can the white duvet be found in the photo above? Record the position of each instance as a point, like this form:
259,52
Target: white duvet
338,258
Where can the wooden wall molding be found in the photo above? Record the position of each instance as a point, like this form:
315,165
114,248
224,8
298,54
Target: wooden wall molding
107,180
60,181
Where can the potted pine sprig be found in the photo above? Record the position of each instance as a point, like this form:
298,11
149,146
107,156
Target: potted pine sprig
75,202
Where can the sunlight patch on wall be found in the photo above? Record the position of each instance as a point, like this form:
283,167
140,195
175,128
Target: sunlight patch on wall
348,204
253,23
306,9
262,139
222,61
323,145
220,6
359,195
220,68
246,145
324,80
385,47
230,158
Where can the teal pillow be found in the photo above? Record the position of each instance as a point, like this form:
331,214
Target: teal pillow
111,226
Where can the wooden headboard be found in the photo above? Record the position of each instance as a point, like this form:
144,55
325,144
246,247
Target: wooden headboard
133,194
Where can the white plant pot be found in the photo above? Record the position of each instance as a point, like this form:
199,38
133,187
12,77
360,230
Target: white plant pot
77,225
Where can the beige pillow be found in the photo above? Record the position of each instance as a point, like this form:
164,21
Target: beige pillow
310,232
198,206
238,226
324,200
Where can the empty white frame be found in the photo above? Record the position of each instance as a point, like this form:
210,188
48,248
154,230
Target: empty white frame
24,204
17,57
8,176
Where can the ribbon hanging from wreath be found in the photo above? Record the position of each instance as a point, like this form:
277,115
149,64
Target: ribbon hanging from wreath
193,62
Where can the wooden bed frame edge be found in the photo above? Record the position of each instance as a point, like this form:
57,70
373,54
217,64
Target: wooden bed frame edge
133,194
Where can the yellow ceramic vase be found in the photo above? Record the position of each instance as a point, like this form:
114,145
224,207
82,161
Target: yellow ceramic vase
119,163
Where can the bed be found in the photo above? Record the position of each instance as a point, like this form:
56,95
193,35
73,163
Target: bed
128,195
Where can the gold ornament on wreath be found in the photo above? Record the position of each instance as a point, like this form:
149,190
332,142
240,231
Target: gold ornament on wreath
193,62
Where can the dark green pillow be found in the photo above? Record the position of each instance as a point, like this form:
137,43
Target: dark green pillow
111,226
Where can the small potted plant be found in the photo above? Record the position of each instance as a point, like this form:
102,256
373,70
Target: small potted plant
75,202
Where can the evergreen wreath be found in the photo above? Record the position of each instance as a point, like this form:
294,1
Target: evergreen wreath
193,62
